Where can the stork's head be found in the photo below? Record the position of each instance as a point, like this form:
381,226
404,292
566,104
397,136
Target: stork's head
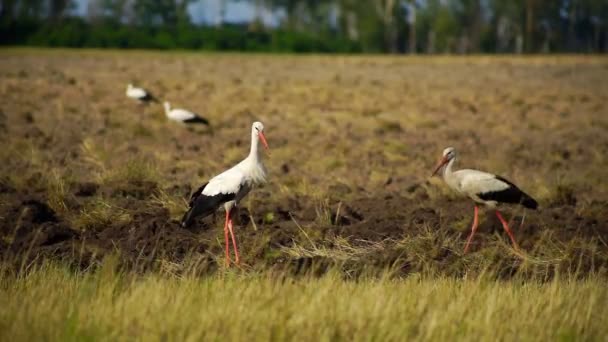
448,154
257,130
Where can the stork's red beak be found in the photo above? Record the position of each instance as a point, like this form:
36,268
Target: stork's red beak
263,138
444,160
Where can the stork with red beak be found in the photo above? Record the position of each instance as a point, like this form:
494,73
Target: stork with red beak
483,188
229,188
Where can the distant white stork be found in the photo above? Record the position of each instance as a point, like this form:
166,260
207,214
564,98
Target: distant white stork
483,188
140,94
229,188
183,116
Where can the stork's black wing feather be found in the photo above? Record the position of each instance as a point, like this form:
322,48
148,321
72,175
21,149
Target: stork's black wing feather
202,205
512,194
197,120
149,98
195,194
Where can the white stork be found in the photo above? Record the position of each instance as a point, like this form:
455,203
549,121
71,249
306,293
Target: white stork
229,188
140,94
483,188
183,116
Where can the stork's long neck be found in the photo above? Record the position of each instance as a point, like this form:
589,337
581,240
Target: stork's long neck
167,108
254,152
256,172
447,170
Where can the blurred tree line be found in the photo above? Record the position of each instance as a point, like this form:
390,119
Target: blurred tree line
378,26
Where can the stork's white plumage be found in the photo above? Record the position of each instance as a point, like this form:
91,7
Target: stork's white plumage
483,188
139,94
183,116
229,187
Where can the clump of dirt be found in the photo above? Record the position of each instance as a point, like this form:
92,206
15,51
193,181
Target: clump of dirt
29,229
32,232
138,190
150,236
86,189
413,233
565,195
2,122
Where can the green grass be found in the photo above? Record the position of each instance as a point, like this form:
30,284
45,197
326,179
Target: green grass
52,303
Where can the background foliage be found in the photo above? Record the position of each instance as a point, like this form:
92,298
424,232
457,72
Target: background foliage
375,26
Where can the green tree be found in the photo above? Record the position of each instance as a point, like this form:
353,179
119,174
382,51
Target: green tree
470,21
440,26
58,8
530,24
507,25
7,10
411,22
161,12
29,9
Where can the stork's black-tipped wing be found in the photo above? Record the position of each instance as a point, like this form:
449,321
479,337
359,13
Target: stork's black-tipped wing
511,194
149,98
202,205
197,120
195,194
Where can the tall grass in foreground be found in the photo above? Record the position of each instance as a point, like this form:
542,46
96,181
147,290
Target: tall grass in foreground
52,303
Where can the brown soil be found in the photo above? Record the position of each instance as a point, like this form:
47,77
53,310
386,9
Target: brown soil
353,145
33,232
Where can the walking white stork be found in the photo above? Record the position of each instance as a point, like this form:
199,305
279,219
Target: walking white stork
140,94
183,116
229,188
483,188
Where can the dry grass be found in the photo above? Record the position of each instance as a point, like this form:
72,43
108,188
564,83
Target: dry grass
108,305
353,142
99,214
398,112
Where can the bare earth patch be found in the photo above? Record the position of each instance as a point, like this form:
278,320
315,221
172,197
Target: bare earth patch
86,173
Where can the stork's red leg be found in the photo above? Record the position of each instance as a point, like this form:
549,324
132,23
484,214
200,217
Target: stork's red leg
226,237
236,250
473,229
506,227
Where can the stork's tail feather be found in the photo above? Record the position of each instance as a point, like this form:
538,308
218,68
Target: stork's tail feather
197,120
150,98
528,201
187,219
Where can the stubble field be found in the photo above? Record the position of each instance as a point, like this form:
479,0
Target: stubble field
350,239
